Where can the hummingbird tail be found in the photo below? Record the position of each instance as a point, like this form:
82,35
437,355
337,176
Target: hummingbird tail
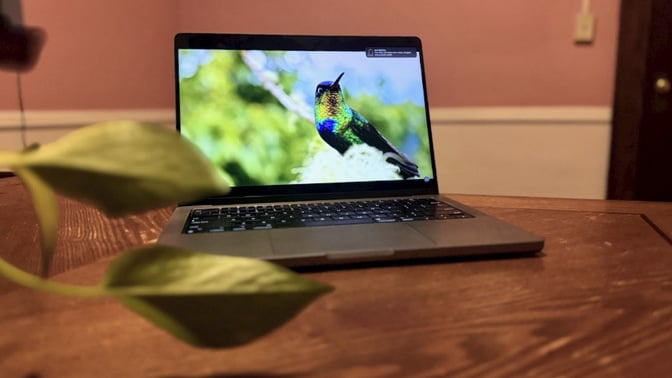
407,168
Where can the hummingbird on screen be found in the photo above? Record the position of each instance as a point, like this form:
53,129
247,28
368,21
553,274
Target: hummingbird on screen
342,127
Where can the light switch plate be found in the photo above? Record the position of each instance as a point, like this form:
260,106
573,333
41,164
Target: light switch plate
584,29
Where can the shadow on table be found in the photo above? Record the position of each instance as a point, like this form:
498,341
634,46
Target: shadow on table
533,257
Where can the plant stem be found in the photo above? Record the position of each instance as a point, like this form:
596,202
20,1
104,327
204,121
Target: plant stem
8,158
34,282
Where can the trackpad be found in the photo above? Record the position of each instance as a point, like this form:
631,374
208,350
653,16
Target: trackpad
335,239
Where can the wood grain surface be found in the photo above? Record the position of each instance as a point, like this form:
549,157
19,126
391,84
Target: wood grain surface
596,302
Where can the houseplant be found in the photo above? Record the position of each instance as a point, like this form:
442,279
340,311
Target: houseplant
202,299
128,167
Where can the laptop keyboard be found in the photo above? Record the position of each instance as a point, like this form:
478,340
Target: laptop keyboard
264,217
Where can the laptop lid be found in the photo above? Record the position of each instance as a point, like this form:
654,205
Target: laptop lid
307,117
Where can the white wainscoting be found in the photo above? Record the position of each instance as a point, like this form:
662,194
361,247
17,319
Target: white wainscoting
539,151
45,126
520,151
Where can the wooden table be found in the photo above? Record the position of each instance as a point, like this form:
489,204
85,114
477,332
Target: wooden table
597,302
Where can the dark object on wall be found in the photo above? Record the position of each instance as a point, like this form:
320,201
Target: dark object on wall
20,46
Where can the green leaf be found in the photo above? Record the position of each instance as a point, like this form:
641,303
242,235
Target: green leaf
46,207
7,158
209,300
125,167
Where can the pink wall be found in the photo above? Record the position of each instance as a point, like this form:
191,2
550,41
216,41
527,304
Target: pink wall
487,52
98,55
478,53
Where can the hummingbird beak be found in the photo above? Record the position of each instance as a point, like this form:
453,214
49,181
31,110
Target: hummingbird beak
335,83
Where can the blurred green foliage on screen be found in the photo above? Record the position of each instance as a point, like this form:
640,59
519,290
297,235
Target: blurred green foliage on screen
243,128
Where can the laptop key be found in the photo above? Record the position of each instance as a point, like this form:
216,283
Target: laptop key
335,222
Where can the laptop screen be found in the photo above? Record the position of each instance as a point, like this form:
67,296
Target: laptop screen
299,114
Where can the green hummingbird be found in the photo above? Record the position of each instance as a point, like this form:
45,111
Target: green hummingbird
342,127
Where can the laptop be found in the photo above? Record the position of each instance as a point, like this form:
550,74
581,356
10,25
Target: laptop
327,145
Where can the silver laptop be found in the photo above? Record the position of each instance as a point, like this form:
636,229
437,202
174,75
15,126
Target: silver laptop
327,145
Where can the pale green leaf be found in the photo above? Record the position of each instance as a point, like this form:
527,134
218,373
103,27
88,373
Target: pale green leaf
209,300
46,207
8,159
125,167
